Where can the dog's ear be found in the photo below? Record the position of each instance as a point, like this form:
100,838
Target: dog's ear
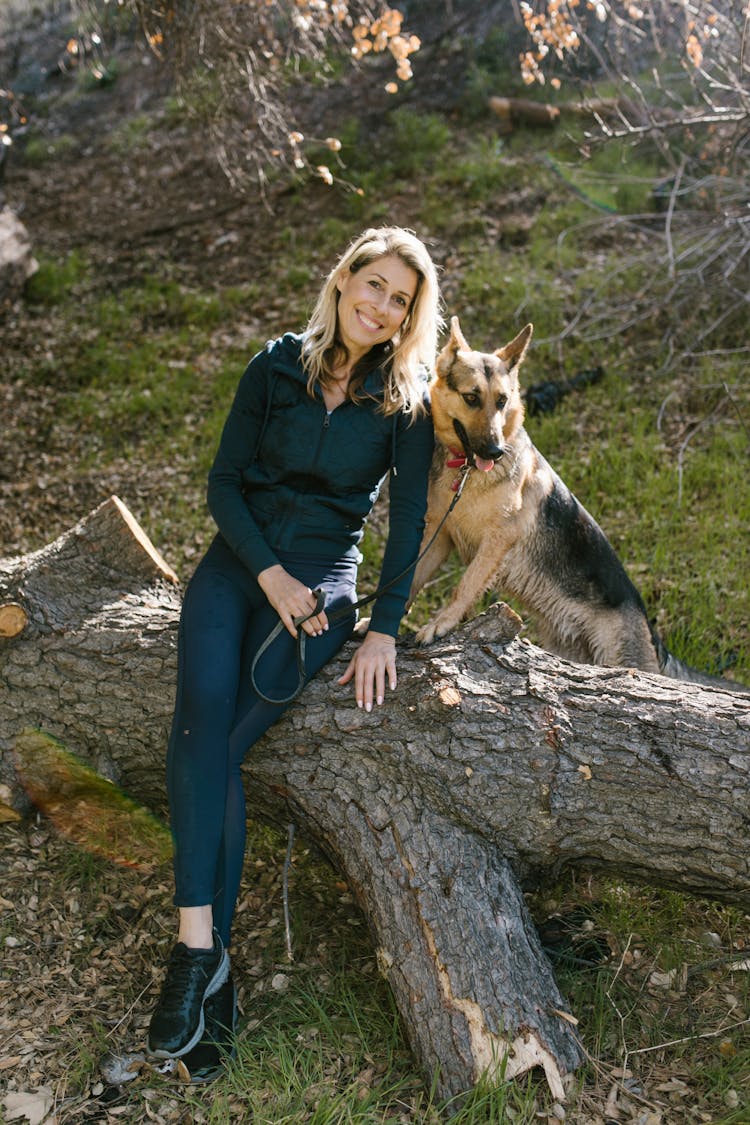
514,352
457,340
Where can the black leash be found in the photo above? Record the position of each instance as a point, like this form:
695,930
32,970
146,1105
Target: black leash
343,611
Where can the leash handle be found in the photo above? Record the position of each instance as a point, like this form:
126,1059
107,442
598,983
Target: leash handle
279,627
344,610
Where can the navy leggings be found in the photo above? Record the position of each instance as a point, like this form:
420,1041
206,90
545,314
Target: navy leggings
218,717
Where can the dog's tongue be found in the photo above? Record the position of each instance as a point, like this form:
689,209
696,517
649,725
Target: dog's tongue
485,466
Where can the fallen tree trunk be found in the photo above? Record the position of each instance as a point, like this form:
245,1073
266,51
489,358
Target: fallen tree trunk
492,764
522,111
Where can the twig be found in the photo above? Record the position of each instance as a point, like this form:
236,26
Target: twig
690,1038
662,409
670,212
125,1015
285,884
626,1052
619,1014
681,453
737,411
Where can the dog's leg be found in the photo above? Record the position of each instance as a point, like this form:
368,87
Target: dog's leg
434,558
477,578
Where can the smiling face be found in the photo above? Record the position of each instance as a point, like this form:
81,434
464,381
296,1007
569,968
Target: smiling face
373,303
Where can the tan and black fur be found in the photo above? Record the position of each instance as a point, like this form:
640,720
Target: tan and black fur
519,529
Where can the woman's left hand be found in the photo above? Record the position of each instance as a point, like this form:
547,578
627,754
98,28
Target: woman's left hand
373,663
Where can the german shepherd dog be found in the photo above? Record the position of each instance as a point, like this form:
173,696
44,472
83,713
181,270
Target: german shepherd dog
520,529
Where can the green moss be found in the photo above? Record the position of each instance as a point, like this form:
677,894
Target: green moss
40,150
54,281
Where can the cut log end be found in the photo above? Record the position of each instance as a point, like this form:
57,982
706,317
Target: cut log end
129,541
13,619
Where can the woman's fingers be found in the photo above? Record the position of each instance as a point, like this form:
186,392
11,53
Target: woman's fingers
293,601
315,626
372,667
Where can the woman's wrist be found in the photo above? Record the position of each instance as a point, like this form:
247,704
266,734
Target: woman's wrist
267,577
375,637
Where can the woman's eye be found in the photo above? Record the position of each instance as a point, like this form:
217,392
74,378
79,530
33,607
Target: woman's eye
400,301
374,283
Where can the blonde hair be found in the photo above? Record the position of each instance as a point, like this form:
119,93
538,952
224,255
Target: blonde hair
414,345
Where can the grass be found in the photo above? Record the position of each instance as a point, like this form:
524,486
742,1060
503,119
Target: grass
40,150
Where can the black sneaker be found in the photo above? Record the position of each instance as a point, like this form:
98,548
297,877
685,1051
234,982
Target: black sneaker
206,1060
192,975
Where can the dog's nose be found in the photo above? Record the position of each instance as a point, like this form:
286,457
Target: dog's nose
491,452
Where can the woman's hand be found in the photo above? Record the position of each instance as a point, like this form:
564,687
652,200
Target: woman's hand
291,598
372,663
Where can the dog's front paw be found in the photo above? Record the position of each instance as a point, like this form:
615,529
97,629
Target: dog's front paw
438,626
426,634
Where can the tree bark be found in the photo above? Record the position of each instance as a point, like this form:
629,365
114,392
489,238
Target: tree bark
493,764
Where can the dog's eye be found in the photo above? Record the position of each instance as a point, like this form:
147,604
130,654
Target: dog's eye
471,399
502,402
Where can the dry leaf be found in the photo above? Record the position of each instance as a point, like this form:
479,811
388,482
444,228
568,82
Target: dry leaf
182,1072
585,771
33,1105
662,980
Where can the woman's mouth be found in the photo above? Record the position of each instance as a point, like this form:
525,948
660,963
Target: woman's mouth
368,323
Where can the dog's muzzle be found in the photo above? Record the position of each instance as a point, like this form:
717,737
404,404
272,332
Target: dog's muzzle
483,458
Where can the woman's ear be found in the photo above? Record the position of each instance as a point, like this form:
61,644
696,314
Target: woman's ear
341,279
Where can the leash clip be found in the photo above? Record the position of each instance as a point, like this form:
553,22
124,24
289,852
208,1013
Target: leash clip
461,479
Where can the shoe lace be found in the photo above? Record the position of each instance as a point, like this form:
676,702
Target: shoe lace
183,975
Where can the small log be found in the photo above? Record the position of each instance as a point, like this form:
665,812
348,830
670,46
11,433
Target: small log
522,111
512,112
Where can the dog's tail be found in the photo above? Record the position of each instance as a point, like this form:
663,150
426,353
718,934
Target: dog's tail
670,665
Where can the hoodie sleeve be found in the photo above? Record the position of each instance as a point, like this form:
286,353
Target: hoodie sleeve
240,436
406,517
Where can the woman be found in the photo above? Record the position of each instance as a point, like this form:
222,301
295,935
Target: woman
317,421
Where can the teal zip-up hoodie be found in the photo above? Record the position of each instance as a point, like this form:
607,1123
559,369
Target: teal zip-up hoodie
290,476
